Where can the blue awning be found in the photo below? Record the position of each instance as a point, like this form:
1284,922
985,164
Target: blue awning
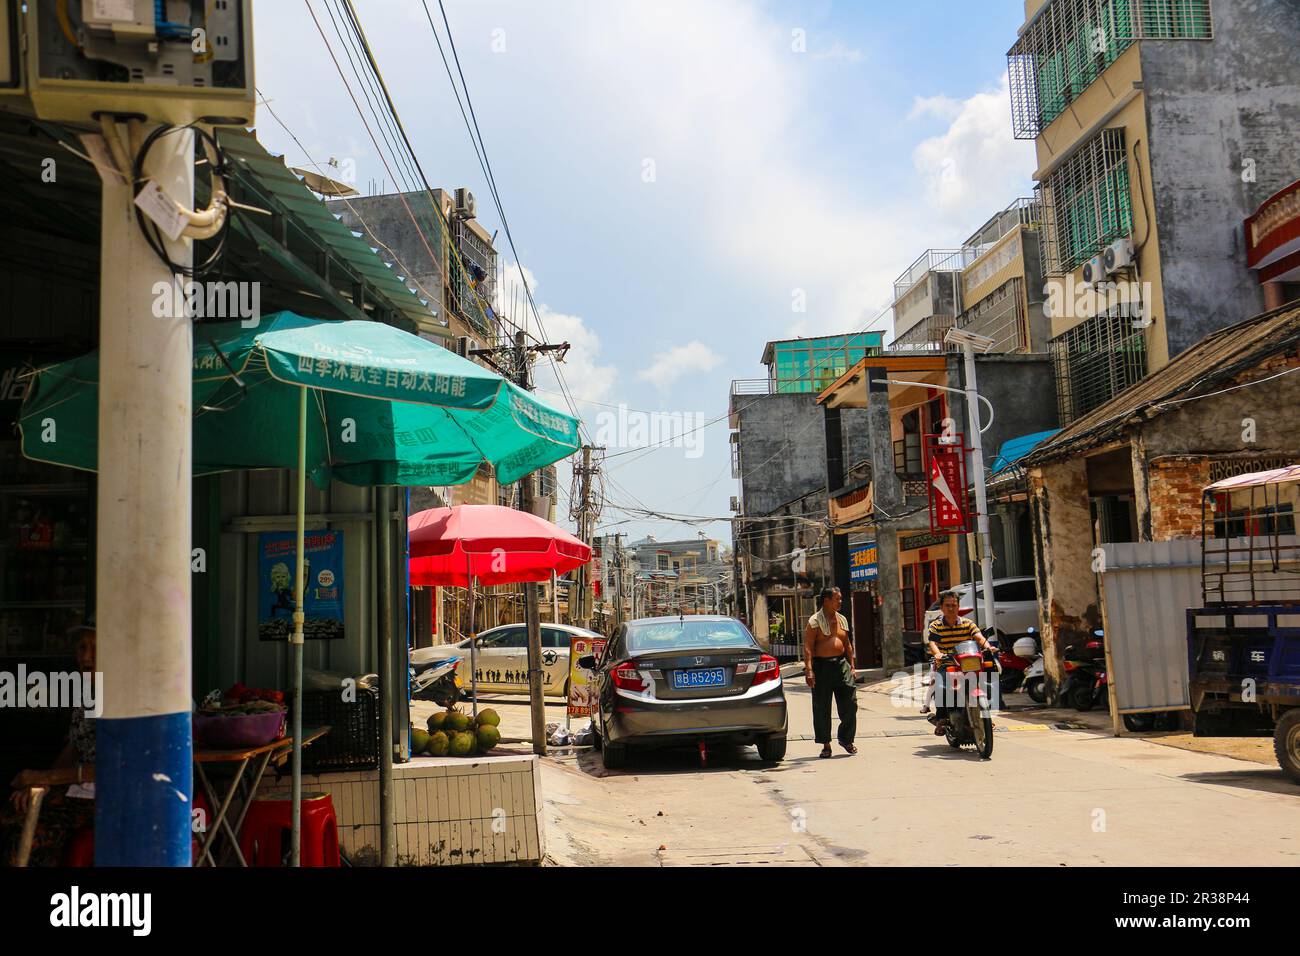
1014,449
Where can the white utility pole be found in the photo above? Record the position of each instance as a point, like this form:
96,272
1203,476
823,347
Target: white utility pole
969,344
142,559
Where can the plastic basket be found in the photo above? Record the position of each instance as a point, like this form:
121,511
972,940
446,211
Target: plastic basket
353,740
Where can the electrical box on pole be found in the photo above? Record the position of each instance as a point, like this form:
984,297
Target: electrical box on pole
174,61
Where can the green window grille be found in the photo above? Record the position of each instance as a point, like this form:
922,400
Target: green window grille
1088,203
1070,43
1095,361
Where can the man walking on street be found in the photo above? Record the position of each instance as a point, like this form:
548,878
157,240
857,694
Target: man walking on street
828,668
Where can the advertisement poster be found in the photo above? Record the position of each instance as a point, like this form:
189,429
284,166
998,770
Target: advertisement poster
862,562
322,585
580,679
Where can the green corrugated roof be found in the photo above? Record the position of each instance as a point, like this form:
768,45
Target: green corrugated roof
312,213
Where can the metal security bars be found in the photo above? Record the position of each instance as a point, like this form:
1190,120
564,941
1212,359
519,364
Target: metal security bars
929,332
481,263
1070,43
1000,315
1095,361
1087,203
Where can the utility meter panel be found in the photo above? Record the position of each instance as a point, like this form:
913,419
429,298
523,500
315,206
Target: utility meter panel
172,61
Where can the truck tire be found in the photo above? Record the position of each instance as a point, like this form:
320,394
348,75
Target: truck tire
1286,743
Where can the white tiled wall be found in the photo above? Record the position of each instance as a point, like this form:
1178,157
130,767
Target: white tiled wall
448,810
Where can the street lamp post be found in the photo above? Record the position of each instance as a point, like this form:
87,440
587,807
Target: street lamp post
970,343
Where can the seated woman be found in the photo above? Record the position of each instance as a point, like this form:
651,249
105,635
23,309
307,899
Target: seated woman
65,809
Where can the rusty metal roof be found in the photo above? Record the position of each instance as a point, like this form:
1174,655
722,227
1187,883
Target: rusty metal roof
1201,369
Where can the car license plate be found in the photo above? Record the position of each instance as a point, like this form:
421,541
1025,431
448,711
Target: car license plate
700,677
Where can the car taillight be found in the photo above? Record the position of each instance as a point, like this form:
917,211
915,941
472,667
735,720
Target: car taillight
627,677
768,669
1069,665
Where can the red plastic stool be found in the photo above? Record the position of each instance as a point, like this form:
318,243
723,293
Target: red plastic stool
264,837
80,850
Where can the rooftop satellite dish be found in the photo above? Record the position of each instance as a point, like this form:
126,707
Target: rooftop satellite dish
323,184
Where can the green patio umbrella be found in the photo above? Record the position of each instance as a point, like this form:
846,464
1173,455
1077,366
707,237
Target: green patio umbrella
360,402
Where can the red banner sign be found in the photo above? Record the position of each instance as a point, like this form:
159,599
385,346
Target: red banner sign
946,469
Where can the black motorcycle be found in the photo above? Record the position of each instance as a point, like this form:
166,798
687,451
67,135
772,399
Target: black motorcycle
1085,684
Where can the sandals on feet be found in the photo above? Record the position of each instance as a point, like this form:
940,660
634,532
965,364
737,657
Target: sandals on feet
826,752
850,748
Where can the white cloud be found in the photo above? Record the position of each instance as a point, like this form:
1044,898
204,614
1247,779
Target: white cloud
680,360
976,166
587,379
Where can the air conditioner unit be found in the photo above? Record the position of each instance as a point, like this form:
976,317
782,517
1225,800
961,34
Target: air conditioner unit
179,62
1093,270
1118,255
735,503
465,205
465,345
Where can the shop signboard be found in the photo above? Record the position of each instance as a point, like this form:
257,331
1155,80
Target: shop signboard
581,681
322,585
947,483
862,562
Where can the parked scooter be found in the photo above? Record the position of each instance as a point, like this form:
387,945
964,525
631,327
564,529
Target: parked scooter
438,682
1016,664
962,690
1085,683
1034,681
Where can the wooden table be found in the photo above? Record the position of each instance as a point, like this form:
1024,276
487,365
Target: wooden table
277,750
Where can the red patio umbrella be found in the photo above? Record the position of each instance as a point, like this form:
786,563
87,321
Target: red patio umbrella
491,544
487,544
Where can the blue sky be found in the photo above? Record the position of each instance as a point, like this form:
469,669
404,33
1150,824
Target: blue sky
680,174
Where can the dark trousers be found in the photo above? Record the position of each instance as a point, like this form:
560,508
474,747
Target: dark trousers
833,677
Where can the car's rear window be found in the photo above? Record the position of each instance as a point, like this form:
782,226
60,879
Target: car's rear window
686,634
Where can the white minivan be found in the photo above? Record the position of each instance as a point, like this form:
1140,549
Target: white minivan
1015,605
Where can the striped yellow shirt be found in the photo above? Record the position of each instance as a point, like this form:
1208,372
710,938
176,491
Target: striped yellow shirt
949,636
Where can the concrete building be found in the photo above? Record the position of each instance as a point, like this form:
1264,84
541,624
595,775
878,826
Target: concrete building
778,456
450,259
903,400
1134,468
688,576
1001,291
1273,246
1159,128
927,298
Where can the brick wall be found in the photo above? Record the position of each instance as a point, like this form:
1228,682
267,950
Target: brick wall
1175,492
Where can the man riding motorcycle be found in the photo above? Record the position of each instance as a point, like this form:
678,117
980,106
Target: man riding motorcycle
944,634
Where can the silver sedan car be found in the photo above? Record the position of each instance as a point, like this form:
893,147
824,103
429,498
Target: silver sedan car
673,680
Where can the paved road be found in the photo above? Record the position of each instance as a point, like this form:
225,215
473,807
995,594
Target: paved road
1071,797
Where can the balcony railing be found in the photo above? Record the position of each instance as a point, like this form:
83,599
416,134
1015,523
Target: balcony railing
1026,211
752,386
932,260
